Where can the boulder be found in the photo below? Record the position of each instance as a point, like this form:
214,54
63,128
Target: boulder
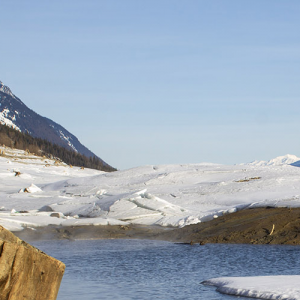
25,271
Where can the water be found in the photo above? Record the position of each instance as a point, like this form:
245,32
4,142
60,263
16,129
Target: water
143,269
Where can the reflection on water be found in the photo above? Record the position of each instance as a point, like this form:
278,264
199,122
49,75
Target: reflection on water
143,269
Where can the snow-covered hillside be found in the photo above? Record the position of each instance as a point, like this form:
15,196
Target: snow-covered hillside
166,195
5,119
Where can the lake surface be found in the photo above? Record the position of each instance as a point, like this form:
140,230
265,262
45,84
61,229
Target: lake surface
143,269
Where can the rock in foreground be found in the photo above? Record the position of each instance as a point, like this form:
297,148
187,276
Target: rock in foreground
26,272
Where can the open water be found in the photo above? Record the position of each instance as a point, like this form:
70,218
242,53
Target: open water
144,269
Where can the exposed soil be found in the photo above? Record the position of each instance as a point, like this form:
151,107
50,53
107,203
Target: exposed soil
251,226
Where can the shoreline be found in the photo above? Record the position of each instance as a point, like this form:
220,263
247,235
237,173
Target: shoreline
267,225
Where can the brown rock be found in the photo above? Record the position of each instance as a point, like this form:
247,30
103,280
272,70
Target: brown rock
26,272
55,215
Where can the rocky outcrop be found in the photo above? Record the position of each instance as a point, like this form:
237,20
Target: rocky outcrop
26,272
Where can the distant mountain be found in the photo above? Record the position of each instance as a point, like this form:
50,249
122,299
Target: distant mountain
288,159
14,113
296,164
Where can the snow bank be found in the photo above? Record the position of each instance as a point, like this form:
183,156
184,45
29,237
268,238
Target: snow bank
261,287
31,189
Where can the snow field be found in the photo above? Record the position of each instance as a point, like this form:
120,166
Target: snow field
166,195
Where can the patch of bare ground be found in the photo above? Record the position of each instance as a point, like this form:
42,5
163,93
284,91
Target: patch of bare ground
250,226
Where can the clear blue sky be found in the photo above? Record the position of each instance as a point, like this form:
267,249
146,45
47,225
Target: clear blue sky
160,81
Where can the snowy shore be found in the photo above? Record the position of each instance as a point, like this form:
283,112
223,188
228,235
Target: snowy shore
249,226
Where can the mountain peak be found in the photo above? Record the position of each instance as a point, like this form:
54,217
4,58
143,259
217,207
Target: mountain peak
288,159
5,89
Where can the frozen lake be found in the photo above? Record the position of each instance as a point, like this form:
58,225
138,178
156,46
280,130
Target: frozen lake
143,269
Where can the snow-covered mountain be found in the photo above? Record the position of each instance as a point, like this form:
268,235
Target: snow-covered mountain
278,161
14,113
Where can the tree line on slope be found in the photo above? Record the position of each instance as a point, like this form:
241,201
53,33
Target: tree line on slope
23,141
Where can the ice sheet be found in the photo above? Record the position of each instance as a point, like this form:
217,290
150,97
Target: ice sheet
261,287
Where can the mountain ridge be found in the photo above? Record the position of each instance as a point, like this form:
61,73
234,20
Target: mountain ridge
14,113
288,159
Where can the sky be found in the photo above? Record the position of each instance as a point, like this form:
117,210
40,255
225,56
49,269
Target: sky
160,81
